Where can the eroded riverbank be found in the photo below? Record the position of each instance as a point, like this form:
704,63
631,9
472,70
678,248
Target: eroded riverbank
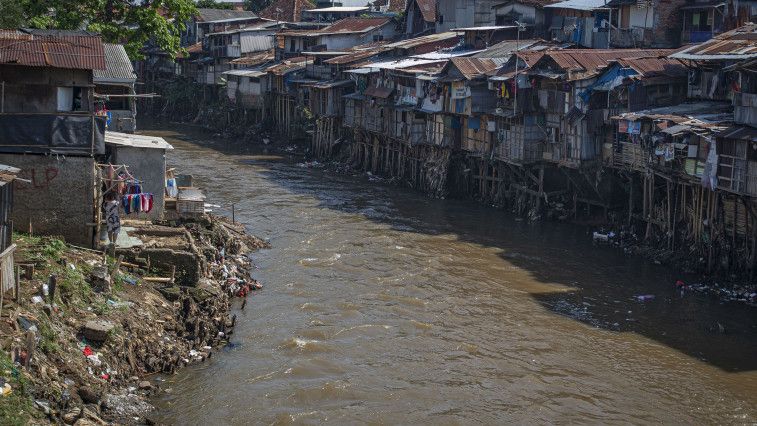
387,306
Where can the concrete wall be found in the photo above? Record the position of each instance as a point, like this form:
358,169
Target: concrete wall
60,200
149,166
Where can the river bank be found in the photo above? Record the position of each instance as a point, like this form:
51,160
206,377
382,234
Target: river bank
686,262
88,333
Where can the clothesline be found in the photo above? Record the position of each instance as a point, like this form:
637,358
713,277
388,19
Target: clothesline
116,179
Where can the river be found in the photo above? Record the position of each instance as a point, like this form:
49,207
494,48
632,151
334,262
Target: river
383,306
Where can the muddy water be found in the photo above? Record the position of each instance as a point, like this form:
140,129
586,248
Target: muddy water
382,306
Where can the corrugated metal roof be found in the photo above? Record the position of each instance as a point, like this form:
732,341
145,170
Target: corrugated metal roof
739,132
338,9
354,25
740,43
118,67
585,63
222,15
506,48
136,141
254,59
245,73
287,66
428,39
353,57
471,68
578,4
253,42
649,67
286,10
59,49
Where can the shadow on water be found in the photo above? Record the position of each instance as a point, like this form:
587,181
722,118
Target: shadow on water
602,283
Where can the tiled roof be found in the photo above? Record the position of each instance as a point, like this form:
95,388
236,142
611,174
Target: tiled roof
473,67
286,10
427,8
740,43
58,49
118,67
220,15
355,25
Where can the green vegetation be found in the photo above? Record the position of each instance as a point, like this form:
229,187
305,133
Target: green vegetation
132,23
48,342
18,407
212,4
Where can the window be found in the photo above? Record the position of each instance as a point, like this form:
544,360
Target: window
378,37
72,99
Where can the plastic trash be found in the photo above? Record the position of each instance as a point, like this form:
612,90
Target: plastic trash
600,237
645,297
37,299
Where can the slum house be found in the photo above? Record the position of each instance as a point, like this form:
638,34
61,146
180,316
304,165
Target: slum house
285,97
49,129
470,107
389,131
463,13
672,174
583,22
563,81
634,84
340,35
114,90
208,21
8,175
645,24
420,17
529,13
144,157
223,47
286,10
325,99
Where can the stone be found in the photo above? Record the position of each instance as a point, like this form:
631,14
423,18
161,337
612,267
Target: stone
145,385
89,396
97,330
100,278
70,416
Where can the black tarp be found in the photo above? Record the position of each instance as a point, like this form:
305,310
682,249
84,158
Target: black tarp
43,133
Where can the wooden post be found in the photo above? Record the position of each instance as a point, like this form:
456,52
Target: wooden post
31,345
17,285
52,283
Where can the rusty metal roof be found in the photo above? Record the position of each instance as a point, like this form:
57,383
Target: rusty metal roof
585,63
255,59
286,10
655,66
354,25
356,56
738,44
427,39
471,68
58,49
288,66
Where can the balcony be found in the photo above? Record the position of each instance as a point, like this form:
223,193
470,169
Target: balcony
58,133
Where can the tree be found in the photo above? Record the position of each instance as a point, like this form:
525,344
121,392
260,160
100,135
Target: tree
256,5
212,4
11,14
129,22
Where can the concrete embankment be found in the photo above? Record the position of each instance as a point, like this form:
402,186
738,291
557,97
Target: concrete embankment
88,334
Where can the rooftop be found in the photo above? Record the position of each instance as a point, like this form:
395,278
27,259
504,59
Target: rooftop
340,9
585,63
578,4
354,25
427,8
118,67
223,15
58,49
286,10
136,141
471,68
738,44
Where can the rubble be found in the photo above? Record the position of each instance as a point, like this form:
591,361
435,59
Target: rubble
91,353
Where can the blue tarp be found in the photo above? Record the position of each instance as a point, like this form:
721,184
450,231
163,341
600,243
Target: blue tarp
611,79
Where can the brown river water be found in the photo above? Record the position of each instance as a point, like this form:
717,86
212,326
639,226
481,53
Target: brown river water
383,306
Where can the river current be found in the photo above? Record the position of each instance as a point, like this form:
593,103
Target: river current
383,306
